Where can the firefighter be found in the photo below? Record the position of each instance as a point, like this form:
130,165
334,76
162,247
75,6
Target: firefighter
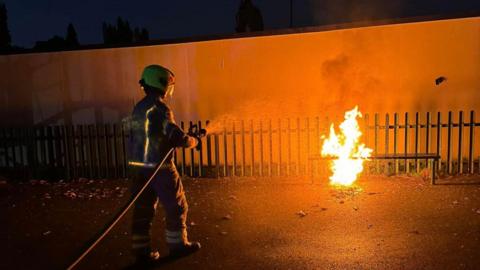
154,133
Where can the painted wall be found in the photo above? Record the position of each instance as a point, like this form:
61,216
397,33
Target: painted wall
389,68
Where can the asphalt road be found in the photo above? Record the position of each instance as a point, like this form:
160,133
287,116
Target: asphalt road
264,223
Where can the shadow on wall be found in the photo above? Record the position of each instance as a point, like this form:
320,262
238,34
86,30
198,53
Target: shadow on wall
56,90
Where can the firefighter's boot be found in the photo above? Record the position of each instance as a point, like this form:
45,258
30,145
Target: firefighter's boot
147,258
178,244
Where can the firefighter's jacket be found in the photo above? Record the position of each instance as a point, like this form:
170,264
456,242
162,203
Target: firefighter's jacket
154,133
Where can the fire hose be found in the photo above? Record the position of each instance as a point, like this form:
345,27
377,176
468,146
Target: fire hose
119,216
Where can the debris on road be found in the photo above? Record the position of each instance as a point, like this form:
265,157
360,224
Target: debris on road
223,233
355,208
227,217
233,197
47,233
301,213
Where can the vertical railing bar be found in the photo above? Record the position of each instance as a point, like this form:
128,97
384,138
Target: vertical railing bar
225,151
124,149
289,152
217,154
307,151
417,169
81,150
427,138
439,139
58,150
252,153
395,140
471,142
192,156
200,154
98,153
243,147
460,143
449,145
407,163
91,150
106,132
367,136
387,131
116,150
279,170
377,169
13,143
297,167
66,150
270,148
51,156
184,159
234,154
209,148
43,149
261,147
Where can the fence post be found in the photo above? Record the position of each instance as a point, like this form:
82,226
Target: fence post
124,148
460,143
116,152
395,140
387,131
252,150
51,156
184,159
367,141
99,152
217,154
471,142
417,169
449,144
200,153
427,138
261,148
225,149
377,169
279,147
407,163
439,139
298,147
209,149
307,151
289,156
192,156
234,157
243,147
270,148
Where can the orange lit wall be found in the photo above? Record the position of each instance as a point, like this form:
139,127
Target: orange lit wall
390,68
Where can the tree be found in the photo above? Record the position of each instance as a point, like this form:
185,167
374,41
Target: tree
249,17
53,44
71,40
140,35
5,39
122,33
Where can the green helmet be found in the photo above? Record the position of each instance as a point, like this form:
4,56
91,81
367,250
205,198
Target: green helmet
157,76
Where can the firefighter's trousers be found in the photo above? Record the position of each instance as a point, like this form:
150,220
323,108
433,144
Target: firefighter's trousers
167,188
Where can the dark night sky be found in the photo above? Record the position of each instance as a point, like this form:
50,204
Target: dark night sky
33,20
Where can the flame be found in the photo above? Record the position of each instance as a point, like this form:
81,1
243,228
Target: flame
349,154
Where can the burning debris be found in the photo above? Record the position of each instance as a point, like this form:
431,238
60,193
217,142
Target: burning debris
346,149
